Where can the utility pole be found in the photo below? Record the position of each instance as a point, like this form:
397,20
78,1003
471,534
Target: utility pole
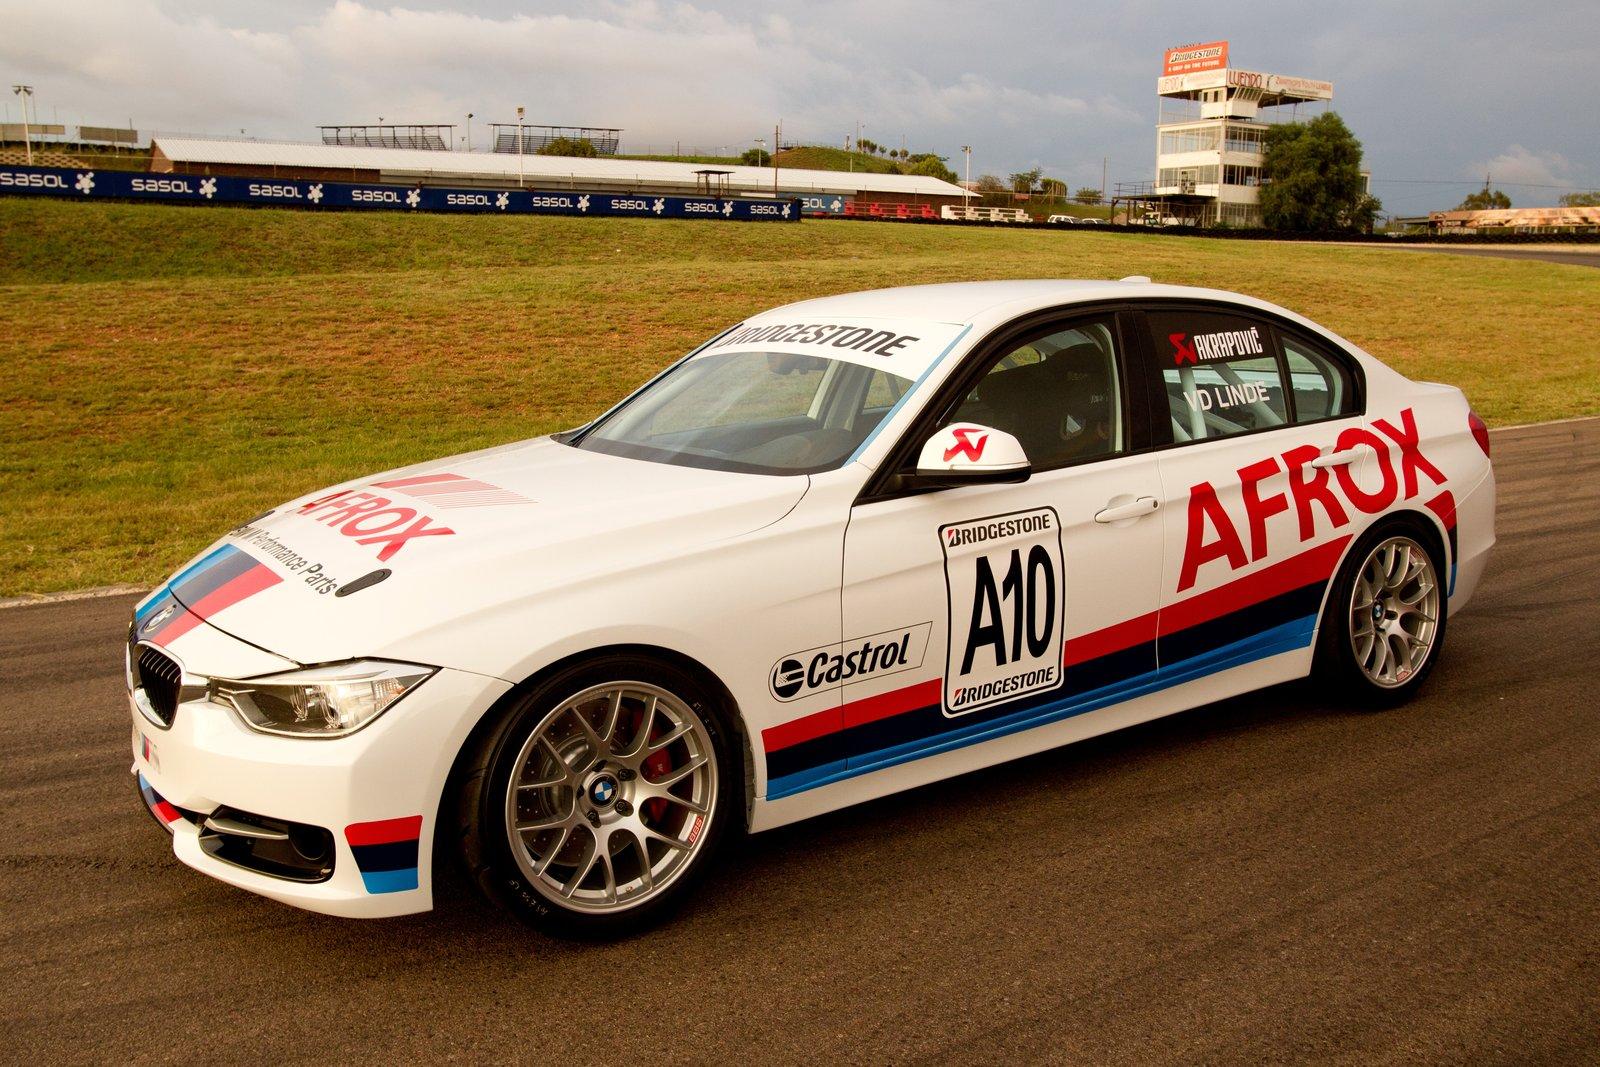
469,131
761,143
966,188
24,92
519,147
1103,160
777,133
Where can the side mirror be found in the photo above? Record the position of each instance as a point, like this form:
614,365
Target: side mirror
965,453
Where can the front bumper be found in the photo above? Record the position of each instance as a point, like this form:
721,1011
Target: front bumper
377,791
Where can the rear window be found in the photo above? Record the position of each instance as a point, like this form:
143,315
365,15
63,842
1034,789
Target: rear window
1321,382
1219,373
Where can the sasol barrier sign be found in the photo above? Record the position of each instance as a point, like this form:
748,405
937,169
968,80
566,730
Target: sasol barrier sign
132,185
823,203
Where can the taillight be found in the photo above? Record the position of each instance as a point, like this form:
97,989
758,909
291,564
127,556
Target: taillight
1480,432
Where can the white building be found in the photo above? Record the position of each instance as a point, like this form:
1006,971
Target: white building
1209,133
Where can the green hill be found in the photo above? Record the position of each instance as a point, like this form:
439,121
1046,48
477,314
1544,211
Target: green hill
818,157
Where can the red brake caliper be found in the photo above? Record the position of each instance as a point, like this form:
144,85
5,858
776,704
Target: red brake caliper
654,767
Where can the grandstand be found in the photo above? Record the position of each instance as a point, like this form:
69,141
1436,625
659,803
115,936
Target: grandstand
431,138
824,191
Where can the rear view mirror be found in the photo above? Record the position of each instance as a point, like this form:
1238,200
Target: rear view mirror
965,453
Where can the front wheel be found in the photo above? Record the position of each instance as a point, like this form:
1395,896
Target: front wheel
594,805
1385,620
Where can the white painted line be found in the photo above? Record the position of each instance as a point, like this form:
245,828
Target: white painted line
1552,422
77,594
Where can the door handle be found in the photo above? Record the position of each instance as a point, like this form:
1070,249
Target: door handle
1131,510
1337,459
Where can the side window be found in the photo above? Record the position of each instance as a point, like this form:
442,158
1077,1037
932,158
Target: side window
1321,384
1057,395
1219,374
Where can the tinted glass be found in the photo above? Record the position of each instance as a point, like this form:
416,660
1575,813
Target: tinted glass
1321,383
1219,374
758,412
1056,394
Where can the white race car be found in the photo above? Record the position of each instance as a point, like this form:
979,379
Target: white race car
844,548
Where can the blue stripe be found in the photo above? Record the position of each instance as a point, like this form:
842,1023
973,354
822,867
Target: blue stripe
908,394
390,881
157,599
205,562
1297,633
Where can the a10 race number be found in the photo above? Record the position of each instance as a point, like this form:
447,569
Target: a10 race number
1005,581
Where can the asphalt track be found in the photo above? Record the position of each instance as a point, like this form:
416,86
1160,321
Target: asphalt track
1576,256
1263,879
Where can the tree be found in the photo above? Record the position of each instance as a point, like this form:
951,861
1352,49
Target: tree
1311,178
1024,180
1485,199
932,166
1053,187
755,157
988,183
1581,199
1088,194
567,146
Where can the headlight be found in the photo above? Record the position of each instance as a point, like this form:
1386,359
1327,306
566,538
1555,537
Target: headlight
319,701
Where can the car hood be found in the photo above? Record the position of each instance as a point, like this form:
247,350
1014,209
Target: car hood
357,569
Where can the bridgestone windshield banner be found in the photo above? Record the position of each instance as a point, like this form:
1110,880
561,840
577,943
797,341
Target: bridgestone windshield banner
286,192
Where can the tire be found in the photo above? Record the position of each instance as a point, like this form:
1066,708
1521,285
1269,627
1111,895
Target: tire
1384,623
616,835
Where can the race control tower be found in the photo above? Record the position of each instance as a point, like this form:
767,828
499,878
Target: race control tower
1212,121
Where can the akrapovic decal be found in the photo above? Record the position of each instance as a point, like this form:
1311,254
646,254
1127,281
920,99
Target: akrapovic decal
1223,344
1006,584
801,674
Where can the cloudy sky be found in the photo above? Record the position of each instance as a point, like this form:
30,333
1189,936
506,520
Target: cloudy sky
1440,91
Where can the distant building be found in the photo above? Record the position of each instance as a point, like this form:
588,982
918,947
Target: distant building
1518,220
821,192
1212,122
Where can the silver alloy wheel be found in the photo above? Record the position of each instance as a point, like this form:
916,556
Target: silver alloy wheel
1394,611
611,797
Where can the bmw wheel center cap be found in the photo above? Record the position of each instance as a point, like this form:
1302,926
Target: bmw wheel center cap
603,790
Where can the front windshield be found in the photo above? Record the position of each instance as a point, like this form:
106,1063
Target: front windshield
756,412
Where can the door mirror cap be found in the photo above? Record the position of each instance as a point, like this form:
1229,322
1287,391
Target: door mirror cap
965,453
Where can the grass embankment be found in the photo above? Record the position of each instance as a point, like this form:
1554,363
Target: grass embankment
820,157
169,370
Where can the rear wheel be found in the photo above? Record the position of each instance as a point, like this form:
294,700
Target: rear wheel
593,806
1385,620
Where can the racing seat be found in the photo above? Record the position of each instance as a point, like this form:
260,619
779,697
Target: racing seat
1058,407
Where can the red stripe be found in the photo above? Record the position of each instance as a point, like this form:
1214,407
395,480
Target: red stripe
1313,565
855,713
384,831
165,812
176,627
465,485
1111,639
421,479
247,584
1444,506
817,724
895,702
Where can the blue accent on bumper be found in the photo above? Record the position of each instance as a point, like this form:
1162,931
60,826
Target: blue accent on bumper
390,881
